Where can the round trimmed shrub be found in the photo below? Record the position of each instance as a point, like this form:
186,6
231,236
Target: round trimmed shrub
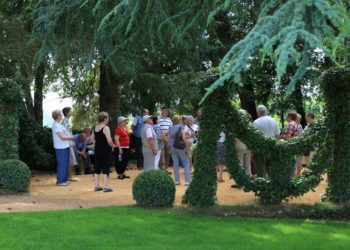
154,188
14,176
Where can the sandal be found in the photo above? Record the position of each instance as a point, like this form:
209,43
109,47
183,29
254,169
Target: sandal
107,190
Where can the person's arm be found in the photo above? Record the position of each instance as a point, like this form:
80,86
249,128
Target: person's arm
149,136
107,133
286,133
183,135
117,142
64,137
165,135
134,124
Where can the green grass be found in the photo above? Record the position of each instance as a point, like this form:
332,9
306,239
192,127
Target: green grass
137,228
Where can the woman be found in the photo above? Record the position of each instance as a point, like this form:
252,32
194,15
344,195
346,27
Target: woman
61,145
149,143
158,130
179,149
103,151
191,131
122,141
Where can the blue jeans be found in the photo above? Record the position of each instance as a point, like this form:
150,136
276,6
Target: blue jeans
178,154
62,157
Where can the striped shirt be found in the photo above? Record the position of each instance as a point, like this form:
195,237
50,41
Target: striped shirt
165,123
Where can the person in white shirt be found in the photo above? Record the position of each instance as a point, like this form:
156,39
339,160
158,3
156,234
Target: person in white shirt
165,123
221,156
269,127
61,145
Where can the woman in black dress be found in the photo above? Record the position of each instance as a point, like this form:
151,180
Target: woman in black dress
103,152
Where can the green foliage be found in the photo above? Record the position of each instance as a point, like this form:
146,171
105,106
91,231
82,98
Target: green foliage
154,188
280,185
336,89
288,32
9,96
14,176
35,144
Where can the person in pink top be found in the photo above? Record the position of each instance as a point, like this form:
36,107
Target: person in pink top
290,131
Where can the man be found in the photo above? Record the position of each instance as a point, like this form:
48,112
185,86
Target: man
310,118
269,127
164,123
67,112
136,128
80,141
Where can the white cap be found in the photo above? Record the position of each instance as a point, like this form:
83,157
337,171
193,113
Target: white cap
146,118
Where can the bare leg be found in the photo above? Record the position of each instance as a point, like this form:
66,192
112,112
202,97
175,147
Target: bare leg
97,180
220,169
105,180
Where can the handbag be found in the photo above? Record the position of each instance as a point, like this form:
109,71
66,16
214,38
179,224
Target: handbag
178,142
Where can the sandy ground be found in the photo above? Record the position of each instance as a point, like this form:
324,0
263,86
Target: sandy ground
45,195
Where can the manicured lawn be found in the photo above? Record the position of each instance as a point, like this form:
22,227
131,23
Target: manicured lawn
136,228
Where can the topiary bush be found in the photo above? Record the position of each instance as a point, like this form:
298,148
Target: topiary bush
154,188
14,176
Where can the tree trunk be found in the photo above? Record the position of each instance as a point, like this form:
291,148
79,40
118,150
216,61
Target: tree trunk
297,99
247,97
109,93
38,93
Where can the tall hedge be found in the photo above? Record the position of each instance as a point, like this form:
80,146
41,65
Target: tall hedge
9,126
336,88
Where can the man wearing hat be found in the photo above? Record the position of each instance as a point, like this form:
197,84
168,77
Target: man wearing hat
165,123
122,151
149,143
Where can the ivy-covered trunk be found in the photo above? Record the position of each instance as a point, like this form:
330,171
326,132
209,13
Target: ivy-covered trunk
336,89
202,191
9,127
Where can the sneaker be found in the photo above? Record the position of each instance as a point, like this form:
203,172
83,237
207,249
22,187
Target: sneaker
126,177
98,189
120,177
177,183
62,184
187,183
73,179
107,190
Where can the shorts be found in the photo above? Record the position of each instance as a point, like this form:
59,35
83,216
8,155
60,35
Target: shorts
103,164
220,147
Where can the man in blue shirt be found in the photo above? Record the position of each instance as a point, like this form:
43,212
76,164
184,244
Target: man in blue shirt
136,128
80,141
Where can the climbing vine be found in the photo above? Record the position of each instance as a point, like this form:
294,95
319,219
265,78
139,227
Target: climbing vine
336,90
9,96
220,115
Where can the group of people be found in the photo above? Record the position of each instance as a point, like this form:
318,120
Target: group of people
270,128
156,139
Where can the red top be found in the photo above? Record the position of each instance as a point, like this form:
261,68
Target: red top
124,138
